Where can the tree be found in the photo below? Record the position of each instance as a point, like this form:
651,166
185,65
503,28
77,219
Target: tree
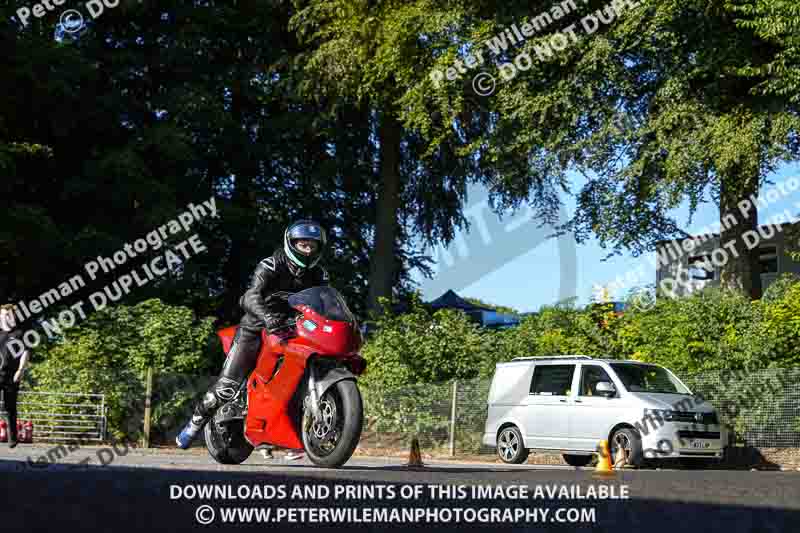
369,54
648,108
111,350
107,135
778,23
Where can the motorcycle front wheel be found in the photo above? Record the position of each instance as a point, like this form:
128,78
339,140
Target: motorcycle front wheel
331,441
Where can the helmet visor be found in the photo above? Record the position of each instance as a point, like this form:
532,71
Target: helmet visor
306,232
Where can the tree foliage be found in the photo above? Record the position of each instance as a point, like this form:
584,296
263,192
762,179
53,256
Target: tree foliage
110,351
778,23
326,109
107,135
649,109
710,330
420,346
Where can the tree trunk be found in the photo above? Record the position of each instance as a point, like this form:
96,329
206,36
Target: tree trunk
243,205
742,270
383,263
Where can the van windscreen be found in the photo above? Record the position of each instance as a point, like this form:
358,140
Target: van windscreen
648,378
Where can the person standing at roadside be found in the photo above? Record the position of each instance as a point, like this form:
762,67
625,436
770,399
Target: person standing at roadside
12,368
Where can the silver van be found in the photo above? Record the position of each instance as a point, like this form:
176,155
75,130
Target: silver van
568,404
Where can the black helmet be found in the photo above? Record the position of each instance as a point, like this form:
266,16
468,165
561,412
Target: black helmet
307,230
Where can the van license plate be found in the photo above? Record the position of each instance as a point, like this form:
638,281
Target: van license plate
698,444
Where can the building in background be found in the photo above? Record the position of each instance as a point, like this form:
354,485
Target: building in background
695,270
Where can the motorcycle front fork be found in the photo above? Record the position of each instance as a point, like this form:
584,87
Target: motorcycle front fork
312,390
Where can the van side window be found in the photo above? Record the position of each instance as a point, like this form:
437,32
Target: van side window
552,380
591,375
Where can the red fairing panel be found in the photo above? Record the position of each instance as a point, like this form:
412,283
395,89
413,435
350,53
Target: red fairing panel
268,416
330,338
226,336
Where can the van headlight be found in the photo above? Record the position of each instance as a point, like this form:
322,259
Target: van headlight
666,415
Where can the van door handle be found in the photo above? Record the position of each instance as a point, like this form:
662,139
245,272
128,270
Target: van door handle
565,401
578,401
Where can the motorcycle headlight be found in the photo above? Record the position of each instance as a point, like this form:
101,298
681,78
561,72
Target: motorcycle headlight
309,325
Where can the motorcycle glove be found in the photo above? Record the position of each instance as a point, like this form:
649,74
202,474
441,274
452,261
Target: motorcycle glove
273,323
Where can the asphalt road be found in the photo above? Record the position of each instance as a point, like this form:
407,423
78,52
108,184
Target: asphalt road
158,491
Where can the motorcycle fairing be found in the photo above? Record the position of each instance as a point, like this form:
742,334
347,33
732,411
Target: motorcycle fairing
269,413
328,336
226,336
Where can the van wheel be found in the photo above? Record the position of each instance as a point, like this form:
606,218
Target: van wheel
577,460
510,447
629,440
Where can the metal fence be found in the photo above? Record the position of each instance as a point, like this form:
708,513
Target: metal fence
64,416
447,418
762,408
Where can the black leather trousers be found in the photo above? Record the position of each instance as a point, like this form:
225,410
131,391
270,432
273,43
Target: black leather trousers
9,392
240,362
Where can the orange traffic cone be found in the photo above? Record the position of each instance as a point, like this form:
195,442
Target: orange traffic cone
604,467
415,457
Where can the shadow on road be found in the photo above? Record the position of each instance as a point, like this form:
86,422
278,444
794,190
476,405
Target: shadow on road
96,498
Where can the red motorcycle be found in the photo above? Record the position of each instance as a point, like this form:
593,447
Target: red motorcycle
303,391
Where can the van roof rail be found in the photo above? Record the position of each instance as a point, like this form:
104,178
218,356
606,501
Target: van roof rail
546,357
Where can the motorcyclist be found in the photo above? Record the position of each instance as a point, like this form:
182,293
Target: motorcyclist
293,268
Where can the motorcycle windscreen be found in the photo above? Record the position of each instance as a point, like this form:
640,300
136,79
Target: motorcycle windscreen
325,301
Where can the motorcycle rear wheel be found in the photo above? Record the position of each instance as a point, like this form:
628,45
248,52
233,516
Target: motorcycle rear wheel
227,444
331,442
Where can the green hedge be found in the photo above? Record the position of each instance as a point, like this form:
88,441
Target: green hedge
109,352
703,334
408,354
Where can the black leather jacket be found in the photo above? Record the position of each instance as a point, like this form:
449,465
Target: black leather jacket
276,274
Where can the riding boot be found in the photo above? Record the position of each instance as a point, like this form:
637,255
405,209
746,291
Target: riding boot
240,362
221,392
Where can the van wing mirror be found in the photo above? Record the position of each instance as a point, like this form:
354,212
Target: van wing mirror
606,388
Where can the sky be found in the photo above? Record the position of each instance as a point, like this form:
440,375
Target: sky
480,262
